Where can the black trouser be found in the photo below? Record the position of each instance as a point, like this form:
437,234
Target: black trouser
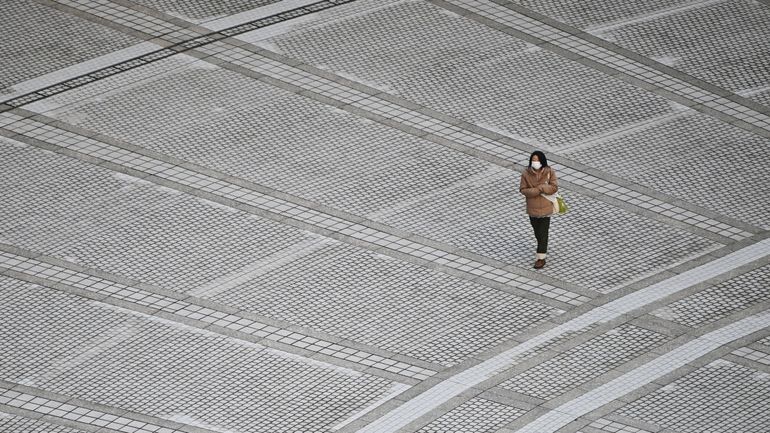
541,226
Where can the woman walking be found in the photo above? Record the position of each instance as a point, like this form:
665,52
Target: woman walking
539,179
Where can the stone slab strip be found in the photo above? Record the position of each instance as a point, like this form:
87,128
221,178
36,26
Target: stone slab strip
643,375
205,313
455,385
350,230
187,40
563,42
88,414
360,100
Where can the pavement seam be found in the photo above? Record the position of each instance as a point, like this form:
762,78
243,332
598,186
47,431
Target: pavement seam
610,192
458,135
193,41
509,21
402,415
57,407
385,240
660,67
653,207
225,321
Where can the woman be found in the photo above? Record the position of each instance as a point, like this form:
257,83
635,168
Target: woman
539,179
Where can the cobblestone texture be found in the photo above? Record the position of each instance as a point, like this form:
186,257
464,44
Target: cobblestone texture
39,39
722,43
677,156
720,397
477,415
410,310
585,362
86,350
615,427
94,217
198,9
277,139
483,217
753,355
474,73
720,301
349,238
190,309
16,424
596,12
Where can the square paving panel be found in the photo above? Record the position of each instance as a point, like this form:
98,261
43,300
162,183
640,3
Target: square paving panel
473,72
695,158
203,10
597,246
88,350
719,397
394,305
722,300
275,138
16,424
80,212
588,13
724,43
38,39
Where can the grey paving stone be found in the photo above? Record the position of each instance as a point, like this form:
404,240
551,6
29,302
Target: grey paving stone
17,424
717,302
477,415
118,358
694,158
405,308
585,362
38,40
596,12
474,73
721,396
199,9
727,51
264,134
101,219
590,244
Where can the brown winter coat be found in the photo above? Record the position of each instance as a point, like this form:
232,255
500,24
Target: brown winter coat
533,183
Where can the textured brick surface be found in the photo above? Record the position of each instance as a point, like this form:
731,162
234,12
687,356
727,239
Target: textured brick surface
719,301
17,424
38,39
721,43
200,9
316,226
721,396
125,360
475,73
694,158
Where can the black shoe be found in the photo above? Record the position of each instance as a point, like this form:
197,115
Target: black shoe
539,263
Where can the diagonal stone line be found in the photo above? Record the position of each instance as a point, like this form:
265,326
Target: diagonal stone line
153,24
640,376
324,223
205,314
607,425
753,355
67,410
561,42
455,385
373,101
132,19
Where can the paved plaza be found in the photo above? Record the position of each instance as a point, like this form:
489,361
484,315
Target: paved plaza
296,216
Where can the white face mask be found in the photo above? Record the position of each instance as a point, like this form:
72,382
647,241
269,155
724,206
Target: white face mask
536,165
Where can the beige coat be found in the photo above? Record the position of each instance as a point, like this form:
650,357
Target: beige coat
536,182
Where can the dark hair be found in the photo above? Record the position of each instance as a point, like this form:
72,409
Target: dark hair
541,156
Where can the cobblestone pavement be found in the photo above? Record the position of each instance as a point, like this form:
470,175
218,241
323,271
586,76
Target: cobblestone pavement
302,216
